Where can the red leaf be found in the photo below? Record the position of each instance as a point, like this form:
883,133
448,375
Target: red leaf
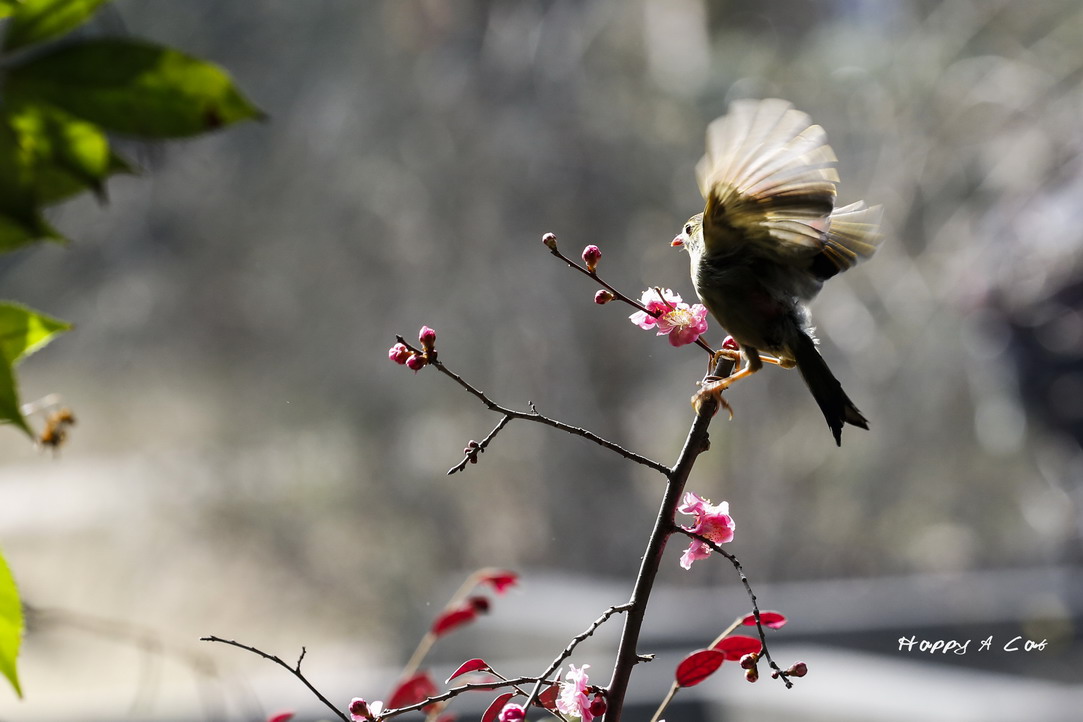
281,716
501,580
548,698
772,620
698,666
452,619
471,665
493,710
738,646
413,690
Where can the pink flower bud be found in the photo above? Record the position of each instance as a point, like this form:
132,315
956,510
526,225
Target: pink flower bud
512,713
427,337
399,353
359,709
415,363
799,669
603,297
749,661
591,255
752,674
550,241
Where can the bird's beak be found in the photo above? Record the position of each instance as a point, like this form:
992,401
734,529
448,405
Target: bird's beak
678,241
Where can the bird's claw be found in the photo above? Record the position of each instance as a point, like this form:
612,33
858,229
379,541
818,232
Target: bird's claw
710,394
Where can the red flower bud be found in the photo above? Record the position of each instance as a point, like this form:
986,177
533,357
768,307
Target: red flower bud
730,345
749,661
597,705
603,297
415,363
799,669
752,674
591,255
550,241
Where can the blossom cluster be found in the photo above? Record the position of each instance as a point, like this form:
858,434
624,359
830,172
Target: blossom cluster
403,355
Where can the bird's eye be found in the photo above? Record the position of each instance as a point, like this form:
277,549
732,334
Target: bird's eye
687,229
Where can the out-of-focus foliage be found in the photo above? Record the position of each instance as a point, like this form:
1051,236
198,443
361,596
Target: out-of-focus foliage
59,102
56,105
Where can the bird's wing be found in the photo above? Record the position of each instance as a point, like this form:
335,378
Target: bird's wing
769,179
853,234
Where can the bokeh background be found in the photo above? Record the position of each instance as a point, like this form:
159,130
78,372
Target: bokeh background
248,463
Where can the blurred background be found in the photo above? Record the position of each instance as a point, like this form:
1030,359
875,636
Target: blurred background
247,463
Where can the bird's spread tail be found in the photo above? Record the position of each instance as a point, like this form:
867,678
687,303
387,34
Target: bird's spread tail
826,389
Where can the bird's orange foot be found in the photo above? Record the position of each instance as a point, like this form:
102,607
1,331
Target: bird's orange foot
710,394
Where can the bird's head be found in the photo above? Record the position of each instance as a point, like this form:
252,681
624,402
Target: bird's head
691,236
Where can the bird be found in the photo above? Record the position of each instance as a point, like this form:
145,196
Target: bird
768,238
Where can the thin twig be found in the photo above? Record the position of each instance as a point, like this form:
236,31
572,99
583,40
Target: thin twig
533,415
295,671
473,453
576,641
766,653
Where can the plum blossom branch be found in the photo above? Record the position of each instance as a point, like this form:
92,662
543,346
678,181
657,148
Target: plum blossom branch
575,642
591,255
778,671
294,670
533,415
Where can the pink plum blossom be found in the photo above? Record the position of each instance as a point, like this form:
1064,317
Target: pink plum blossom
651,301
669,315
712,521
573,700
684,324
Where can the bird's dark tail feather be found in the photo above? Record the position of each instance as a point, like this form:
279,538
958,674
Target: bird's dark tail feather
826,389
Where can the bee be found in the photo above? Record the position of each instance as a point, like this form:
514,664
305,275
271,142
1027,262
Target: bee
55,432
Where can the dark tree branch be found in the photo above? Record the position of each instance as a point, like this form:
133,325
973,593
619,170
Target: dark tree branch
295,671
472,453
533,415
627,654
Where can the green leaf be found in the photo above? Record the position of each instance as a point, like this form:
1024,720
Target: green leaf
54,184
54,140
10,412
24,331
11,625
133,87
15,234
36,20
